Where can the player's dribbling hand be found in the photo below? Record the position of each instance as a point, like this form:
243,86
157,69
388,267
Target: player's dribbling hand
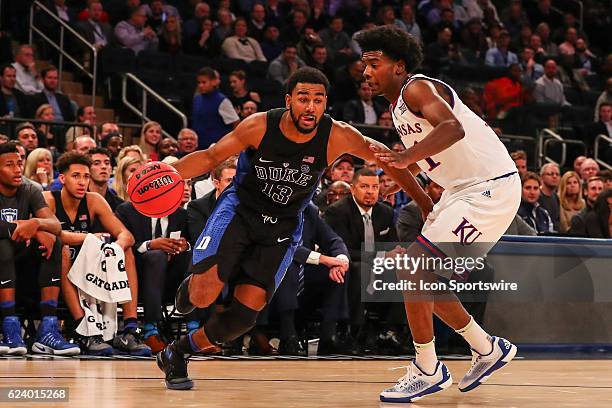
390,157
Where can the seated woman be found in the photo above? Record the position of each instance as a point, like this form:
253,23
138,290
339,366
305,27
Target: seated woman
39,167
240,46
240,92
126,167
45,132
170,38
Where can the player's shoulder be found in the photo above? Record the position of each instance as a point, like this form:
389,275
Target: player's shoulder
95,200
343,129
254,124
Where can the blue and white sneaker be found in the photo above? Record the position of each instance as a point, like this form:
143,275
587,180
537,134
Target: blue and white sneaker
11,329
485,365
416,384
50,341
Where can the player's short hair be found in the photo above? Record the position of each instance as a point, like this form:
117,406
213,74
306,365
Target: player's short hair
207,72
394,43
518,155
9,147
227,164
99,150
68,159
530,175
365,172
307,75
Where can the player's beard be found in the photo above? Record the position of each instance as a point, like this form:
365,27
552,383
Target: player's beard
296,123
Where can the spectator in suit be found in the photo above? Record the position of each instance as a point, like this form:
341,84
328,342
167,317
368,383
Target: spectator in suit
135,34
598,223
602,126
285,64
501,56
359,219
570,198
101,171
161,262
257,22
240,46
13,102
187,142
200,209
410,221
212,113
530,209
549,198
363,110
322,274
62,107
94,29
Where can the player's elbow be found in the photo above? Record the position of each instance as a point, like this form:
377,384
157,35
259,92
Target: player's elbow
456,130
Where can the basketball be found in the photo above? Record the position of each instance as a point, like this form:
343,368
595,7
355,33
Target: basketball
156,189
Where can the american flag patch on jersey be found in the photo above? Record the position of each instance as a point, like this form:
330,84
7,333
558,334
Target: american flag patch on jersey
308,159
83,217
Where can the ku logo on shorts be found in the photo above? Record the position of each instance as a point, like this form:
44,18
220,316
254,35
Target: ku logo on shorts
466,232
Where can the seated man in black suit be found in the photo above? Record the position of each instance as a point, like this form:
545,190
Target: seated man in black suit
601,127
94,30
361,219
162,257
13,102
62,108
321,272
364,109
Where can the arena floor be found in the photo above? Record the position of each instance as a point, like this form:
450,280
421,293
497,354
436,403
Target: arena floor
305,383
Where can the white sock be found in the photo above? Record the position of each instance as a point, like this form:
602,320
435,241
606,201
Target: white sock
426,357
477,338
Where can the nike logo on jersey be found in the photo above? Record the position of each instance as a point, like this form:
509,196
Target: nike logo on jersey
281,240
54,279
5,282
265,161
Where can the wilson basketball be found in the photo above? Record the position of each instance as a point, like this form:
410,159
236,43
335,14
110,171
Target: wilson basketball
156,189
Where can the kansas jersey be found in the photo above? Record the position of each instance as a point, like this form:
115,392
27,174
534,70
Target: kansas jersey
280,176
478,157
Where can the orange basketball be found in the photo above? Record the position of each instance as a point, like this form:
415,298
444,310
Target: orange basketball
156,189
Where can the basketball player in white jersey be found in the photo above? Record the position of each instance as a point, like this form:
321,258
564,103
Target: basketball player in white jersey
461,153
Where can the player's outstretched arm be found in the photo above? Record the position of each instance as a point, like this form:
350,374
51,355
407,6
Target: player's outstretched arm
246,134
347,139
422,96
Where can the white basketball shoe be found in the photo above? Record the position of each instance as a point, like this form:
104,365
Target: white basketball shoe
416,384
485,365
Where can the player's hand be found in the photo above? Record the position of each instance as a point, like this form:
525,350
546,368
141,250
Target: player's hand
426,209
46,241
25,230
398,160
337,274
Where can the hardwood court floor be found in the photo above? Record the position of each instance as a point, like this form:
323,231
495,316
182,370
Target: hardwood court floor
281,383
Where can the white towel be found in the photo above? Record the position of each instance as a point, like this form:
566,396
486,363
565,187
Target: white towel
99,274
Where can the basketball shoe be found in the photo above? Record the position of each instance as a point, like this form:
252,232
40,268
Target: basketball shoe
95,346
130,342
11,329
50,341
416,384
483,365
181,302
174,365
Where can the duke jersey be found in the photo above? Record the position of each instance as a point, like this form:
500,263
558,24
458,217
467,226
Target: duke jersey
82,222
280,177
478,157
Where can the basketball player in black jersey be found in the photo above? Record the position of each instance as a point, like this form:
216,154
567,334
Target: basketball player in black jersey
256,226
78,210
